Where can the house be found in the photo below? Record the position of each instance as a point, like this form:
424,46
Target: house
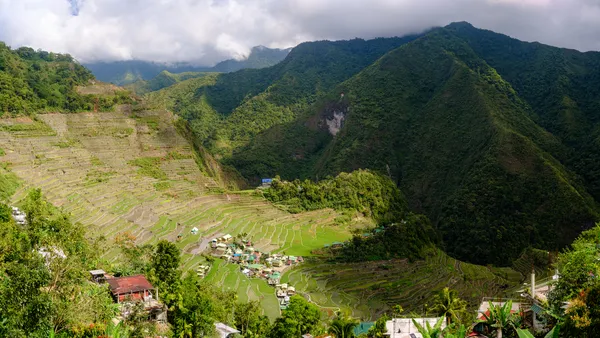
98,276
277,263
225,331
227,238
405,328
194,230
131,289
266,182
291,291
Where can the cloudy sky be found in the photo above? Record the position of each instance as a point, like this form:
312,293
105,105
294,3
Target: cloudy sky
207,31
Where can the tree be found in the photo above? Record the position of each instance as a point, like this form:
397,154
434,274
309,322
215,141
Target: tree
247,318
165,265
397,310
299,318
448,304
342,326
428,331
378,330
500,317
193,312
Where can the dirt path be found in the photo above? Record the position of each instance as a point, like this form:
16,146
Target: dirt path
204,243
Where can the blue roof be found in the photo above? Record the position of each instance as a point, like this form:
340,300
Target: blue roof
363,327
267,180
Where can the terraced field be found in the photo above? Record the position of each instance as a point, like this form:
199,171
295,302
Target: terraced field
123,171
131,171
370,288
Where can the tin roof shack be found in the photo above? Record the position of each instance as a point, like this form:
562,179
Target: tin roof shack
98,276
225,331
132,289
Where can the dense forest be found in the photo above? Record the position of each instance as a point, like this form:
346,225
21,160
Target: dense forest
37,81
373,195
490,137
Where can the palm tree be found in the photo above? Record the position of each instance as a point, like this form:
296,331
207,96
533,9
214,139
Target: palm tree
342,326
428,331
448,304
500,317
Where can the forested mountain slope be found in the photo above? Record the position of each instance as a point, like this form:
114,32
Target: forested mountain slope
485,134
31,81
226,113
562,86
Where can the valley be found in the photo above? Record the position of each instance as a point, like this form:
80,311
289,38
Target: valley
132,172
350,180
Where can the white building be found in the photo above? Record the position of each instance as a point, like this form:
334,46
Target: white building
405,328
225,331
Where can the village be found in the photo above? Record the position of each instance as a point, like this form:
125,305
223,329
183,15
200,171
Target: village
254,264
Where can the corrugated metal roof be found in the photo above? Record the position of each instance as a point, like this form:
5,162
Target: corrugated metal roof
122,285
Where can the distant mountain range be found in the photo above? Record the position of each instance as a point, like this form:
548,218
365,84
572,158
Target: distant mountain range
127,72
494,139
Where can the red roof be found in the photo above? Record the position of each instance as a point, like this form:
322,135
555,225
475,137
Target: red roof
122,285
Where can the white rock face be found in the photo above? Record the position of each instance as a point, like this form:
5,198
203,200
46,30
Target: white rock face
335,124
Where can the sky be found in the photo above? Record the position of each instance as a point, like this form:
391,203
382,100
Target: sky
207,31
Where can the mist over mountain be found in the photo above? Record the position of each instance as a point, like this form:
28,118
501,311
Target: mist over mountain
126,72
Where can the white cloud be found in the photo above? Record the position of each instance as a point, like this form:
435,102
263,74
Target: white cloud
207,31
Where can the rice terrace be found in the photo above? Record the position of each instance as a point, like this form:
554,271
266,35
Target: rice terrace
132,172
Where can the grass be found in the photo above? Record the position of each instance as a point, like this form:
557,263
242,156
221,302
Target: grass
368,289
161,186
229,277
150,166
31,129
113,184
151,186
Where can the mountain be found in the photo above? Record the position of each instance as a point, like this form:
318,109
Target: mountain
37,80
226,112
492,138
127,72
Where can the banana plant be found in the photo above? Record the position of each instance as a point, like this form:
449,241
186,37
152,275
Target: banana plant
428,331
526,334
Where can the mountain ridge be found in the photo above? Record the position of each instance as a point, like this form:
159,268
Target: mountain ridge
464,143
127,72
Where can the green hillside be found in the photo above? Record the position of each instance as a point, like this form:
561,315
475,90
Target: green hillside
160,81
562,86
463,148
455,117
250,101
31,81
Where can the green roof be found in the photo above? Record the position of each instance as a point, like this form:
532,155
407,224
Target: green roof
537,309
